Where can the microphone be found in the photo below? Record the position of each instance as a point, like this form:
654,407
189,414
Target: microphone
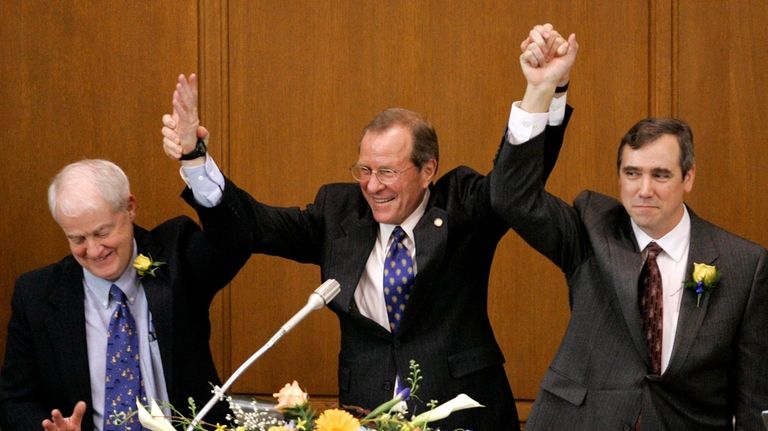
317,300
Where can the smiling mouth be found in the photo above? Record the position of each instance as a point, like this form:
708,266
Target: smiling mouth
383,201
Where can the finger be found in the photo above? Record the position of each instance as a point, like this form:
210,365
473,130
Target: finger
553,40
573,45
203,133
536,51
48,425
77,415
170,134
58,419
537,37
528,58
172,149
168,121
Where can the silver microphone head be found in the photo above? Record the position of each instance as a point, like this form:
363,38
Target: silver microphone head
328,290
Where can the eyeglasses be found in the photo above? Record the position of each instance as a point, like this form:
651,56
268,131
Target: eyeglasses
385,176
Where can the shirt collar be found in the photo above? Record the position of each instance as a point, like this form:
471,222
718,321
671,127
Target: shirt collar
385,230
674,243
128,282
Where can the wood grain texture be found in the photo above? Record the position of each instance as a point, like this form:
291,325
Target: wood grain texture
286,88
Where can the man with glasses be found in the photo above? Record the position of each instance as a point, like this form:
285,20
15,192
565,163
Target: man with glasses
412,254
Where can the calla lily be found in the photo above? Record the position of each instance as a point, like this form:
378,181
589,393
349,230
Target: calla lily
460,402
154,421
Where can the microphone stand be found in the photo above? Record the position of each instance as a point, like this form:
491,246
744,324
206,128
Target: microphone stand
317,300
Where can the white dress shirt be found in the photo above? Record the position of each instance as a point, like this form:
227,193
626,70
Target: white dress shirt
98,312
672,261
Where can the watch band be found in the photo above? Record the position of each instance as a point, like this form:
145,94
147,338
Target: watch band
199,151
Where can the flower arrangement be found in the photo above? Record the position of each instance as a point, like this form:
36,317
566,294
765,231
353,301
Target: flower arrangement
705,278
294,413
145,265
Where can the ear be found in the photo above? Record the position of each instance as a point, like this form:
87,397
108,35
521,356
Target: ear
428,172
131,207
689,178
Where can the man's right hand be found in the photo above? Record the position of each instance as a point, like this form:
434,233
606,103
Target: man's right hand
58,422
182,128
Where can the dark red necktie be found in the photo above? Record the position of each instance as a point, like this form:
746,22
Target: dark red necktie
651,306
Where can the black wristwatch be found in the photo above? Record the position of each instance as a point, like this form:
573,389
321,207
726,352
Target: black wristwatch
199,151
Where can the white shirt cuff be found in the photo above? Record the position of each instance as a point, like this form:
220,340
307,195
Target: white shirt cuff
206,182
524,126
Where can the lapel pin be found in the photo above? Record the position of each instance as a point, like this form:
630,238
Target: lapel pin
438,222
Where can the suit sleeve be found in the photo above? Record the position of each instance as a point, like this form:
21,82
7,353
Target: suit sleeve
20,406
518,195
752,353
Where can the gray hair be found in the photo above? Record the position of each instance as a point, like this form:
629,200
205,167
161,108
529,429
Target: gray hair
78,187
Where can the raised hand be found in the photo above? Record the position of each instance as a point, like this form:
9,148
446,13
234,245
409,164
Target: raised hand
182,128
547,58
58,422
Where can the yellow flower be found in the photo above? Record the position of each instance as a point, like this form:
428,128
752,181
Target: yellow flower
220,427
336,420
142,264
280,428
704,273
145,265
290,396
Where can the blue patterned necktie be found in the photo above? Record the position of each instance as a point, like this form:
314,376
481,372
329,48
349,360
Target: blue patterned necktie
123,373
398,278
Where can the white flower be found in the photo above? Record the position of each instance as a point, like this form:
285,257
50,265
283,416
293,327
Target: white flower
460,402
155,421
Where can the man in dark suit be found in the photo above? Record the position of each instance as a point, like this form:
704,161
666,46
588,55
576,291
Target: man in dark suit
451,233
642,351
56,350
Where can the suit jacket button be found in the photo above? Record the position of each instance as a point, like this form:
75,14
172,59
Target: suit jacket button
396,343
387,386
627,427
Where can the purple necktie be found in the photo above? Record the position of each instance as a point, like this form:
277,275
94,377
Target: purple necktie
123,373
398,278
651,305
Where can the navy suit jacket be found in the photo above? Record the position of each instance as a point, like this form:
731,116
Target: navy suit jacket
46,362
600,378
445,327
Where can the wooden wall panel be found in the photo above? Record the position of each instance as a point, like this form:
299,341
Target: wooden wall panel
722,67
81,80
287,87
305,77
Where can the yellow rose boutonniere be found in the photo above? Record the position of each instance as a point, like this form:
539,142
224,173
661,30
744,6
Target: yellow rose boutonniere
705,278
145,265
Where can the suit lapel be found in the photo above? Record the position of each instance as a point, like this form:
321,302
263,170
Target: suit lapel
625,264
349,254
702,250
159,295
431,237
66,324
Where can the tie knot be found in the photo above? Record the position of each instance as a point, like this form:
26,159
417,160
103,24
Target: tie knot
398,234
117,294
653,250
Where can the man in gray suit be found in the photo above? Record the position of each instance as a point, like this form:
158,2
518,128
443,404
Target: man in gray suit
697,361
